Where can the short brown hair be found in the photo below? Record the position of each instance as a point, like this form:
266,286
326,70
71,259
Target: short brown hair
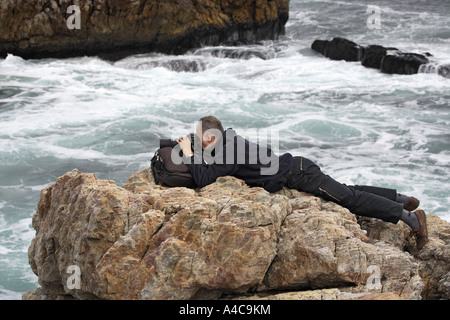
211,122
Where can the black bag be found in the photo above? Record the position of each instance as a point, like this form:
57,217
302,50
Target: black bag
169,174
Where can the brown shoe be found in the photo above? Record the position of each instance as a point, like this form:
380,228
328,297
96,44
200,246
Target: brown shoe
412,205
422,232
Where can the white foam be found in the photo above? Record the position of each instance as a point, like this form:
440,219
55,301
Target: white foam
17,236
2,219
5,250
9,295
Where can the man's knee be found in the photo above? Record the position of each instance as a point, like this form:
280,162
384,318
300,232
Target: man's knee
339,193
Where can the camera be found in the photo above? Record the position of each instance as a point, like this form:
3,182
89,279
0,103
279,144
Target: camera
164,143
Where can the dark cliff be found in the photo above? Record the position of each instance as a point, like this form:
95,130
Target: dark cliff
116,28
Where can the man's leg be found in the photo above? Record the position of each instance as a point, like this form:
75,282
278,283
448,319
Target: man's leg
390,194
308,177
360,202
409,203
372,205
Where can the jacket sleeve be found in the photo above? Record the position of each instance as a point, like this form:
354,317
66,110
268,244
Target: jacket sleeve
205,174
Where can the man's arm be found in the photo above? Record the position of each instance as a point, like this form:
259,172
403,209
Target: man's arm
206,174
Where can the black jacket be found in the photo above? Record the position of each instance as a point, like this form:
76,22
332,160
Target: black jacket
235,156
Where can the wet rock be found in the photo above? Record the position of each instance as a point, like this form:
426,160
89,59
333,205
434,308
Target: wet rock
434,68
444,70
374,55
388,60
338,49
180,65
402,63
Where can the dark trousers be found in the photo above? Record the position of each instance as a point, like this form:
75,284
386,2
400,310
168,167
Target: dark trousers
365,201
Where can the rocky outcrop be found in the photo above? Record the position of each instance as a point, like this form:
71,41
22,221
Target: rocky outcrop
95,240
116,28
386,59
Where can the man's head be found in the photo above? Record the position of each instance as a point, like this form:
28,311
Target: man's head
209,130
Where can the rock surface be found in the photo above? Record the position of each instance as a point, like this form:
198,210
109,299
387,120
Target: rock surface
226,240
116,28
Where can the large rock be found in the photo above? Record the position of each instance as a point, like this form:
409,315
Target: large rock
116,28
144,241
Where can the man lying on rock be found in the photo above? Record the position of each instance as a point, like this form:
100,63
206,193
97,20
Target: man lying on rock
225,153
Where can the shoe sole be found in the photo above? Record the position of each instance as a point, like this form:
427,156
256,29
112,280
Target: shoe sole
422,213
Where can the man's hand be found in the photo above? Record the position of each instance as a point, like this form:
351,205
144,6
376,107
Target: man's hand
185,145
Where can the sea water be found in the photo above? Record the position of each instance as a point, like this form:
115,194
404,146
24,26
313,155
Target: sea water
360,125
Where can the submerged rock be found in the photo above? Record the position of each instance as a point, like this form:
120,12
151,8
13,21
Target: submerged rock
236,53
176,64
113,29
442,70
145,241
